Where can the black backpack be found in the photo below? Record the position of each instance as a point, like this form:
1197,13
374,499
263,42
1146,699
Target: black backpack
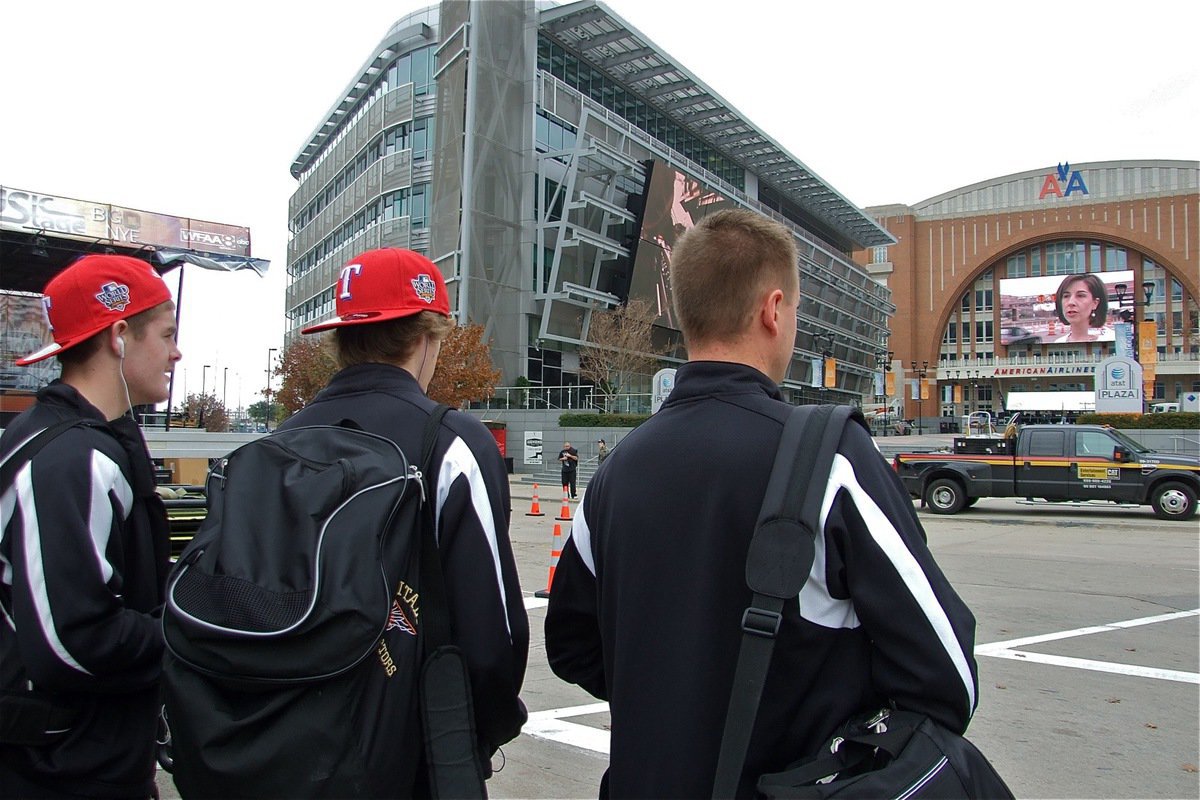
293,663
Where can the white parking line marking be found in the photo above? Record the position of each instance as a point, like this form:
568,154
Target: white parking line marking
1099,666
552,725
1007,649
994,647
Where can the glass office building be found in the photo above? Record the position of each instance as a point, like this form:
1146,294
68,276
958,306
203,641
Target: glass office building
535,152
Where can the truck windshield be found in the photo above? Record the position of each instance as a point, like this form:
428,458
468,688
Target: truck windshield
1125,441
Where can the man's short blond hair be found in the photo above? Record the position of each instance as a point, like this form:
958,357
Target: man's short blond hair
389,342
722,266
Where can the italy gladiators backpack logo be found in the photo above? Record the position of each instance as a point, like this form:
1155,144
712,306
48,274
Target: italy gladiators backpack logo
114,296
425,288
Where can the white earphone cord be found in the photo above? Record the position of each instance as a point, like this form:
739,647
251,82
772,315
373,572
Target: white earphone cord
121,372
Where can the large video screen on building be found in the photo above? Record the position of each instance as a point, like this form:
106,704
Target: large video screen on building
675,202
1062,309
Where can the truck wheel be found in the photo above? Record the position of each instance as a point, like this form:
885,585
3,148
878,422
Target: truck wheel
1174,500
945,496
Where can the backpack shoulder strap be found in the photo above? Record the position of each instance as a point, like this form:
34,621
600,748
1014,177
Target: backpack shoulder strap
13,464
777,565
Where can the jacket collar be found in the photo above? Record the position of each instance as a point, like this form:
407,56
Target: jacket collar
369,378
66,396
697,379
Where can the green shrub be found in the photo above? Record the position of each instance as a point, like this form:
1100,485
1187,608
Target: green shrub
581,420
1173,420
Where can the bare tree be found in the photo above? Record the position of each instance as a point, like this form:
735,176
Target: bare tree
619,349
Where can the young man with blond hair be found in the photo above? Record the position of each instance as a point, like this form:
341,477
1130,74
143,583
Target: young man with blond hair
84,544
649,592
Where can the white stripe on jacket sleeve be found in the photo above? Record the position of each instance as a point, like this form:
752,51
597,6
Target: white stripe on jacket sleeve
34,569
842,478
459,461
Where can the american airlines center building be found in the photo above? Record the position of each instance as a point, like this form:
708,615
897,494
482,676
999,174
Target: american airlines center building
975,274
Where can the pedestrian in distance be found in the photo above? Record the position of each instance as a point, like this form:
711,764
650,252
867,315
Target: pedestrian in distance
84,544
650,589
569,458
601,451
393,312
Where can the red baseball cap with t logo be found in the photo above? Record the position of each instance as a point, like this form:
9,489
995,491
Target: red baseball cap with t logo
93,293
386,284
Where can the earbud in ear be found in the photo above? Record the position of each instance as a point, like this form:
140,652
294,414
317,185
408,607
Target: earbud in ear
121,346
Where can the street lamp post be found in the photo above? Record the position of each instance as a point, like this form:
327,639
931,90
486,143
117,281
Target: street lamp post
204,393
920,374
270,353
1129,307
883,359
825,340
1129,314
224,390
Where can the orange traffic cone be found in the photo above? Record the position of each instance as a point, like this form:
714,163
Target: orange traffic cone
565,514
555,552
535,510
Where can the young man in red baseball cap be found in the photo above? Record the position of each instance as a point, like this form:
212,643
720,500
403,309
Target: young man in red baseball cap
84,544
393,312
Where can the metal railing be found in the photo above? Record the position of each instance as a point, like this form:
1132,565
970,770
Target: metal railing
565,398
1053,358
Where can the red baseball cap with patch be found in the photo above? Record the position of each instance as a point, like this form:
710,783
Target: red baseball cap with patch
93,293
386,284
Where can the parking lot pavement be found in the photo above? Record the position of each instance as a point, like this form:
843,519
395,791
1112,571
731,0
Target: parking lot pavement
1088,646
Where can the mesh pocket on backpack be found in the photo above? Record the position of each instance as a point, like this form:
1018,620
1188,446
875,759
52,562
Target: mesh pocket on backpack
238,604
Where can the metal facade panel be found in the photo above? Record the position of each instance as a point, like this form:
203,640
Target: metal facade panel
496,270
398,106
445,199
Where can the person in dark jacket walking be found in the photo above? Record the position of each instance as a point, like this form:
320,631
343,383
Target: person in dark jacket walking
568,457
393,312
84,545
650,589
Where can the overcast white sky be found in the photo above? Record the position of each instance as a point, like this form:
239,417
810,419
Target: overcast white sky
197,109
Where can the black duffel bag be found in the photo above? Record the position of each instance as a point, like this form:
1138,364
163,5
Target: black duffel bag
889,753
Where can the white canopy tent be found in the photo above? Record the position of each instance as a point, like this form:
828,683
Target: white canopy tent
1050,401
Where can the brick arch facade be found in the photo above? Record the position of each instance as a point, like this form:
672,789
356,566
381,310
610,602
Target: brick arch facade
936,260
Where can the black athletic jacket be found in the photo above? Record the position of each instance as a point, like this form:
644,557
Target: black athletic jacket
473,510
84,553
650,590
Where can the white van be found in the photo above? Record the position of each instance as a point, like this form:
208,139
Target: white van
1163,408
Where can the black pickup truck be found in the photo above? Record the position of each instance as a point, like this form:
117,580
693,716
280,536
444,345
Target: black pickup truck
1053,462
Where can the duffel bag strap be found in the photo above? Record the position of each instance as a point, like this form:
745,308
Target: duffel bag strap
777,565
